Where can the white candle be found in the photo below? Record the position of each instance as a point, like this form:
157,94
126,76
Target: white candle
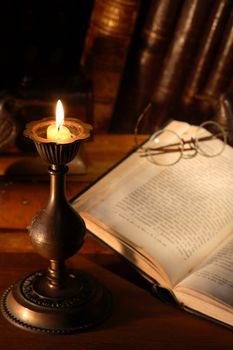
57,131
55,134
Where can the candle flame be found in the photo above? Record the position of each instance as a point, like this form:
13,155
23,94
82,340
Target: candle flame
59,115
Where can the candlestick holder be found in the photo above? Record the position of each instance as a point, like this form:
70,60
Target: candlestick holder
57,300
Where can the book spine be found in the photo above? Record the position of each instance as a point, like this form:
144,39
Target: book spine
179,59
111,27
230,87
221,72
143,66
208,47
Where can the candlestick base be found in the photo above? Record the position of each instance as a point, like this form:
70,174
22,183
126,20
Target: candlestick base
80,304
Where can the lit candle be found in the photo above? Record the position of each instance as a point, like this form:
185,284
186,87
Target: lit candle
57,131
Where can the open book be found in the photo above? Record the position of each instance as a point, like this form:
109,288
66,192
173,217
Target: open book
174,224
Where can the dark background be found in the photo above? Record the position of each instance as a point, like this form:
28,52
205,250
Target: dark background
41,39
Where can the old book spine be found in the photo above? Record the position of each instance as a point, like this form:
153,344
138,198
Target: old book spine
111,27
143,68
222,70
207,48
204,60
230,86
181,53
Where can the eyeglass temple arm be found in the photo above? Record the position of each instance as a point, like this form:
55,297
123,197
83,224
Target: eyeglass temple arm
142,115
184,142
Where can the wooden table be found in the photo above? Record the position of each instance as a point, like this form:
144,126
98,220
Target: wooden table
139,319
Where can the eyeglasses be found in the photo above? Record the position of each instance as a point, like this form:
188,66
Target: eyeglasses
166,147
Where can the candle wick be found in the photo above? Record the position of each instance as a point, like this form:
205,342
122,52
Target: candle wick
59,127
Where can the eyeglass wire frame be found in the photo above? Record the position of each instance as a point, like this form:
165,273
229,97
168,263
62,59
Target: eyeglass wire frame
194,143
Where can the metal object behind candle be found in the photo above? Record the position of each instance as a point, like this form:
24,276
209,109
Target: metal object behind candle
57,300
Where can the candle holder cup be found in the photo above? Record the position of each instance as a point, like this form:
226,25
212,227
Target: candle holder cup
57,300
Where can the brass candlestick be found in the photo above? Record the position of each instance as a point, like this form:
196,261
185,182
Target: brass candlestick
57,300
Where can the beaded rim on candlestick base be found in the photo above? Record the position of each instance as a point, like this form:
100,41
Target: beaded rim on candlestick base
82,306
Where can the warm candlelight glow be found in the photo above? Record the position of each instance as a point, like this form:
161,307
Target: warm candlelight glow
59,114
57,131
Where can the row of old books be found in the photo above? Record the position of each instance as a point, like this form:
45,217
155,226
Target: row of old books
176,54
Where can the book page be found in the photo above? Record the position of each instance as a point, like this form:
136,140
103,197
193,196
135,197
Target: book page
215,277
120,175
209,289
178,214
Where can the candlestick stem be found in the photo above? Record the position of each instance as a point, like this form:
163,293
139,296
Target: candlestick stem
57,182
56,274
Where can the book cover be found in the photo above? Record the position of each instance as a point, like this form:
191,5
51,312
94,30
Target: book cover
144,63
208,48
105,52
179,59
221,73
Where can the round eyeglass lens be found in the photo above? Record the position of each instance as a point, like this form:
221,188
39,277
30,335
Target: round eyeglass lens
210,139
165,148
